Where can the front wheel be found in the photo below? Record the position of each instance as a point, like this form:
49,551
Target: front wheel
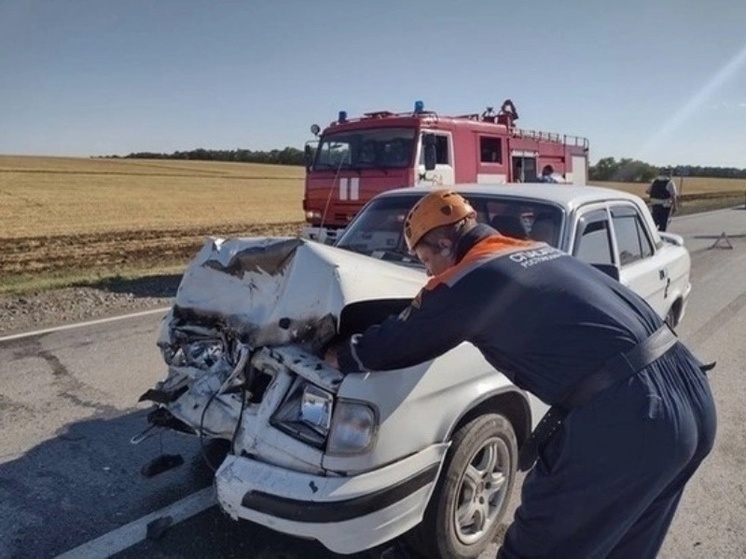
672,317
472,493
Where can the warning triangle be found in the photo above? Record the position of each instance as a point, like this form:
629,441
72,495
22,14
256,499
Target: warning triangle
722,242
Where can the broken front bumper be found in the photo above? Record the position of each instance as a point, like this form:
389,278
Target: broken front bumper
346,514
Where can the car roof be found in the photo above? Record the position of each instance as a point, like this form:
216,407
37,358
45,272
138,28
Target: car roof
567,195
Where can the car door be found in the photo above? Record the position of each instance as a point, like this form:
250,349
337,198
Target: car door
635,253
444,173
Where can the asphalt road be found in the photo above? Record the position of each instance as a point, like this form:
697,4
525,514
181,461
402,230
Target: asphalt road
68,408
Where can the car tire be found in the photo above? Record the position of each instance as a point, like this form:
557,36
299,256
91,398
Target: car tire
672,317
472,493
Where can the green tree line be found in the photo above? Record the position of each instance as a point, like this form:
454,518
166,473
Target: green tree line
632,170
606,169
287,156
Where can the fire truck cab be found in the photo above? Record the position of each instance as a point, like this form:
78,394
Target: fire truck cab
354,159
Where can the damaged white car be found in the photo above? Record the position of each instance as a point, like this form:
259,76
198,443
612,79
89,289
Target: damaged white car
356,460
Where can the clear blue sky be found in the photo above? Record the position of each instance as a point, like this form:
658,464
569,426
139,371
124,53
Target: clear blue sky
659,80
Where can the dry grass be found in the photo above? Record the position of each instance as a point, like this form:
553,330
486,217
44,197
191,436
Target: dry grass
688,186
58,196
65,220
144,166
697,194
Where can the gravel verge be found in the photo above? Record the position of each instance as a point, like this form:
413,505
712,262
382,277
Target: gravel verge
46,309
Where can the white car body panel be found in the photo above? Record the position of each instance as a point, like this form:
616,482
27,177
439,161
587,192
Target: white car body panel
663,279
238,280
238,476
432,396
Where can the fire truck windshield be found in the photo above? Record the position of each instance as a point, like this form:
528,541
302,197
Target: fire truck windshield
381,148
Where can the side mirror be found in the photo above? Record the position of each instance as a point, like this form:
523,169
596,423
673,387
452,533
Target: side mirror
609,269
428,144
309,154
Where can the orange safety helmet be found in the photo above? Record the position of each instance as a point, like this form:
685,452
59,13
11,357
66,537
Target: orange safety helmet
435,209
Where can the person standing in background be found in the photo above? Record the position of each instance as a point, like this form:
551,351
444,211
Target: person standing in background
663,198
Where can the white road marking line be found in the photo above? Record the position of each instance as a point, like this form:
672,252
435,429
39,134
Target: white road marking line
136,531
82,324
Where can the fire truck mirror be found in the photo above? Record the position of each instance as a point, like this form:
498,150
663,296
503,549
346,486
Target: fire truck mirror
428,143
309,154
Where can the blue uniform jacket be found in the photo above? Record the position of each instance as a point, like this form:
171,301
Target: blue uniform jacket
543,318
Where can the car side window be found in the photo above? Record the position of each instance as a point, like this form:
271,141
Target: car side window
647,244
593,238
632,240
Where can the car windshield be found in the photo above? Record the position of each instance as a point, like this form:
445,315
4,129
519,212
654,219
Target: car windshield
382,148
378,230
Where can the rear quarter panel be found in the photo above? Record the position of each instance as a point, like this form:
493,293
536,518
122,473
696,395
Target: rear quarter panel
679,266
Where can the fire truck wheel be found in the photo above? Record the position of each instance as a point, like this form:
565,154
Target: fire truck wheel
472,493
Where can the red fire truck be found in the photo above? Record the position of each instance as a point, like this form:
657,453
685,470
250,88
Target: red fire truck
355,159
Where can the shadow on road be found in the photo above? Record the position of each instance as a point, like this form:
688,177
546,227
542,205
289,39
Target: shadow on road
213,534
86,481
151,286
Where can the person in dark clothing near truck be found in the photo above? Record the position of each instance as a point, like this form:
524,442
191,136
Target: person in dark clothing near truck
631,416
663,200
547,174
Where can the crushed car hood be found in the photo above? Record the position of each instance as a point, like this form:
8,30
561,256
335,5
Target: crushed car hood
278,291
248,323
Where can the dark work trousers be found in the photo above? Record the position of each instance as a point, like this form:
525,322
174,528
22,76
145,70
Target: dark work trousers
660,216
608,483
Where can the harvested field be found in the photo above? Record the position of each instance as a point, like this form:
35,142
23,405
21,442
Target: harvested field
69,196
66,221
697,194
26,258
689,187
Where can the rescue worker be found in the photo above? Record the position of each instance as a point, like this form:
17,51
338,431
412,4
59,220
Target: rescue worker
632,415
663,200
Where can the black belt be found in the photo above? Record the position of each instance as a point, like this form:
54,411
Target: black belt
617,369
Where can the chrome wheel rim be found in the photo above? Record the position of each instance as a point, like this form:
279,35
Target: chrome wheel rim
482,491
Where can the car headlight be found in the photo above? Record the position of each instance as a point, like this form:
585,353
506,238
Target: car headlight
354,427
306,413
313,215
316,409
